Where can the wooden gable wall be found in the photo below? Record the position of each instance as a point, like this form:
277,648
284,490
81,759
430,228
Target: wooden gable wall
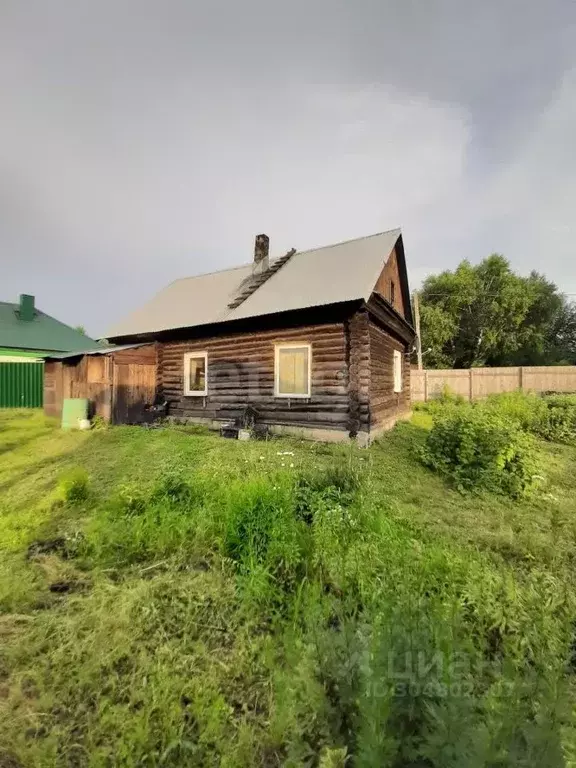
391,274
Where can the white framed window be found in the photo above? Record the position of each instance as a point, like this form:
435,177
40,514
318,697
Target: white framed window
293,370
397,371
196,374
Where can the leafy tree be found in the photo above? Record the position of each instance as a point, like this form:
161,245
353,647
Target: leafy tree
488,315
80,329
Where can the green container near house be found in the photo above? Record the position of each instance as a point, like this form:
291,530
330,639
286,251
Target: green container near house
74,409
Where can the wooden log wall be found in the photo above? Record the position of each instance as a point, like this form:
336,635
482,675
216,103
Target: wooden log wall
391,274
138,356
385,404
359,362
241,372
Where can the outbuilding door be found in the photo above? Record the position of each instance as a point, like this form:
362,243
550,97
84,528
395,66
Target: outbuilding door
134,388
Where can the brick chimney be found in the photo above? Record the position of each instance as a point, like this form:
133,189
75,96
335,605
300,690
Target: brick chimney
261,254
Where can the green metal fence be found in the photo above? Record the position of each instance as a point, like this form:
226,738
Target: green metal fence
21,385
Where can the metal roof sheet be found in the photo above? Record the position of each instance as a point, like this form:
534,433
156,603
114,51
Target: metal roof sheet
100,350
43,332
342,272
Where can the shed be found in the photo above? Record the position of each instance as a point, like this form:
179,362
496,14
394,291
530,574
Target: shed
118,381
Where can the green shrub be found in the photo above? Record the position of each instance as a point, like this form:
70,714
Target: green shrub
478,450
552,417
448,397
560,424
74,487
526,410
442,401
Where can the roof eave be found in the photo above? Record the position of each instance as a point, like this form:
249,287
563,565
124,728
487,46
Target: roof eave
406,298
381,308
237,325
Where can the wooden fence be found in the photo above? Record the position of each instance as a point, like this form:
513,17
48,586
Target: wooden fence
475,383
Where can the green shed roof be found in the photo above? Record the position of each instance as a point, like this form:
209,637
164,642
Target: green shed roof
42,333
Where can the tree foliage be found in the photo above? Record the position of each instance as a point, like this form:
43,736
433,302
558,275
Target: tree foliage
488,315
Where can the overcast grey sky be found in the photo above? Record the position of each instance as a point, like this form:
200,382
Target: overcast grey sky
141,141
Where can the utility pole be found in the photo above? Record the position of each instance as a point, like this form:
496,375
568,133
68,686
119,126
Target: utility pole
417,322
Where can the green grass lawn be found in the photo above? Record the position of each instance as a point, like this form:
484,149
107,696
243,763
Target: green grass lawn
171,598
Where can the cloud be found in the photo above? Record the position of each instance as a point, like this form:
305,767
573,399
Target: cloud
523,207
531,200
189,185
139,144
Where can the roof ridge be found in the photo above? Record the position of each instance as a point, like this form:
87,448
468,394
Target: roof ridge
213,272
351,240
278,258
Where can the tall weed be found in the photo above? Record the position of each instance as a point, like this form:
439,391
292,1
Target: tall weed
74,486
479,450
262,526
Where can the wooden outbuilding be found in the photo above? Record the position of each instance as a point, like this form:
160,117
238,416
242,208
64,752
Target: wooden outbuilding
119,382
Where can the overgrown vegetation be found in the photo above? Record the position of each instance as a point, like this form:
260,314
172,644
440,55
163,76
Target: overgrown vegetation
552,417
172,599
489,444
479,449
485,314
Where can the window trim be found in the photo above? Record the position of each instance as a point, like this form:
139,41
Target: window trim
398,382
195,392
291,345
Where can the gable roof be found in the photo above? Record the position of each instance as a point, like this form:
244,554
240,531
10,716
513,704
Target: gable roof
337,273
41,333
